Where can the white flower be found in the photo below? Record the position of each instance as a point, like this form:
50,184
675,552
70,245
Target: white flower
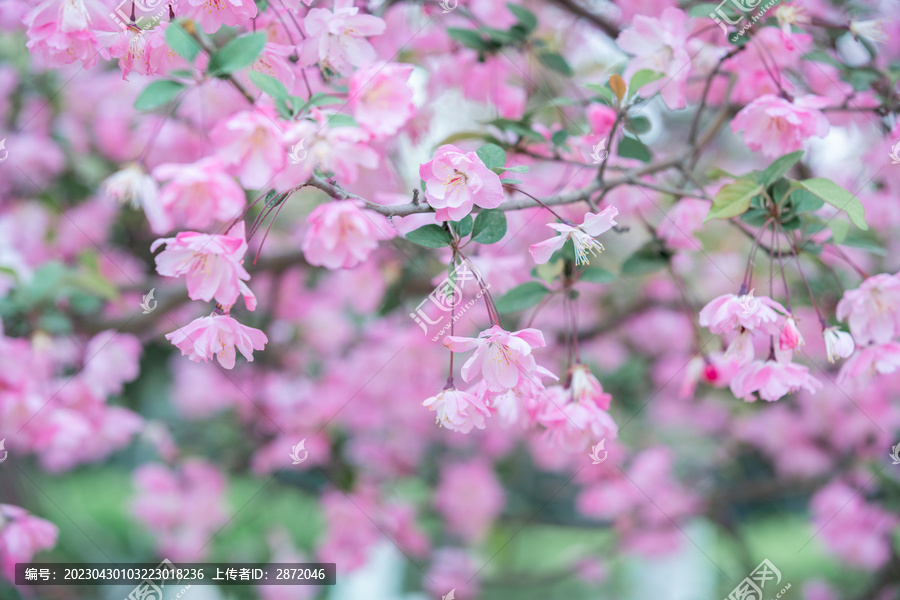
582,237
132,185
788,15
838,344
873,30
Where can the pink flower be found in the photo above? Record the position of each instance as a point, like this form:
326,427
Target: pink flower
873,309
111,360
503,358
573,426
60,31
868,361
213,14
856,531
601,118
455,181
182,508
772,380
337,40
586,388
350,532
582,237
21,537
775,126
216,336
730,311
469,497
453,569
341,235
660,44
250,145
212,264
682,220
340,150
790,338
457,410
838,344
275,61
141,50
196,195
381,98
488,81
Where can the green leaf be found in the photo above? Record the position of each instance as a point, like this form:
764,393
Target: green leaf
518,127
823,57
157,94
469,38
490,226
559,138
839,229
596,275
804,201
602,91
178,40
638,125
511,181
464,227
779,168
733,199
756,217
830,192
647,259
517,169
430,236
702,10
318,99
341,120
633,148
500,37
717,173
494,156
555,61
642,78
864,240
524,16
521,297
237,54
269,85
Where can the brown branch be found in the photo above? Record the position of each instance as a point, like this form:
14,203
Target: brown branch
579,11
404,210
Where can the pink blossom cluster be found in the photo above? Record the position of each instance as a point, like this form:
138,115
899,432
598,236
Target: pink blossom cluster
309,205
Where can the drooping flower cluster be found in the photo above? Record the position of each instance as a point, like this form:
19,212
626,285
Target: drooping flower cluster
872,312
747,321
